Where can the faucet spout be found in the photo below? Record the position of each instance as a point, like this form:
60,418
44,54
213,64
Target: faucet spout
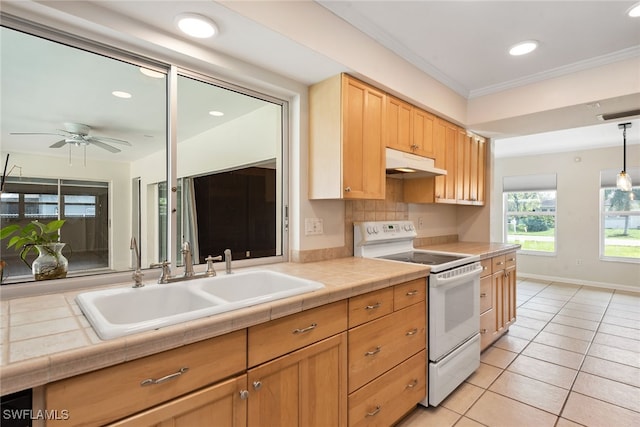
188,260
227,260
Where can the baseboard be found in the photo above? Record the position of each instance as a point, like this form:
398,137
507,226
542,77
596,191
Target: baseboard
605,285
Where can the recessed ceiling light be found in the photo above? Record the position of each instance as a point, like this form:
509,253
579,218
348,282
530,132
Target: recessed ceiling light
523,48
634,12
151,73
121,94
216,113
197,26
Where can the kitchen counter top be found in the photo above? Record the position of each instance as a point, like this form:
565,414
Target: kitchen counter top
47,338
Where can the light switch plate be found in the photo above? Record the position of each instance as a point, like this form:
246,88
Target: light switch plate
313,226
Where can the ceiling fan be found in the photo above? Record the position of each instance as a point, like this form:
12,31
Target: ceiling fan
78,134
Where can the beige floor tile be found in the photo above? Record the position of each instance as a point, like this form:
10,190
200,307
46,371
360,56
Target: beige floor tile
484,375
607,390
611,370
510,343
566,343
532,392
521,332
462,398
562,422
586,306
534,304
596,413
534,314
541,370
575,322
555,355
527,322
619,355
497,357
495,410
547,303
579,314
438,416
569,331
617,342
467,422
620,331
620,321
627,312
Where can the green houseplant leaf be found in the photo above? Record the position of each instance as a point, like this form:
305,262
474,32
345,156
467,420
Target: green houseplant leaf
23,239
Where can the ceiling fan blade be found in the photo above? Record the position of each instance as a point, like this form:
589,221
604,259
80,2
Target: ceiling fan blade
58,144
107,139
103,145
36,133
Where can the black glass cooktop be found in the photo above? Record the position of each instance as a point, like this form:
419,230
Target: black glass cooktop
428,258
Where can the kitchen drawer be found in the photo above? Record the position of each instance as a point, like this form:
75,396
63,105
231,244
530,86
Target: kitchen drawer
370,306
510,259
379,345
98,397
498,263
269,340
386,399
406,294
486,294
486,267
487,328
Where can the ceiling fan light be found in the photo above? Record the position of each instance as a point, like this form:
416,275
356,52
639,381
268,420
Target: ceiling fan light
523,48
623,181
197,26
634,12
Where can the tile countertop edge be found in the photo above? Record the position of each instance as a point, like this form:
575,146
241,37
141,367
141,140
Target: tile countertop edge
358,276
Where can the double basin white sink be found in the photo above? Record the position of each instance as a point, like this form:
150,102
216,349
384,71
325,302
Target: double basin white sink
122,311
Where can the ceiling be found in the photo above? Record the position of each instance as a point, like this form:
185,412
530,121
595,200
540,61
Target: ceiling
463,44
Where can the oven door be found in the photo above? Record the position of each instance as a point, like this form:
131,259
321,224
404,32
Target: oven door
454,309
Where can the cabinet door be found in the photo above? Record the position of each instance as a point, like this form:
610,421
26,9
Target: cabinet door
498,280
423,133
305,388
445,143
510,296
222,405
482,170
398,126
363,166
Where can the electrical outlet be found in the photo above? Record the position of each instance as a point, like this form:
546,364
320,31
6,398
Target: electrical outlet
313,226
579,261
420,223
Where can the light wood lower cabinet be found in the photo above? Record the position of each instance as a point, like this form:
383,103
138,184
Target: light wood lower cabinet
223,405
498,312
304,388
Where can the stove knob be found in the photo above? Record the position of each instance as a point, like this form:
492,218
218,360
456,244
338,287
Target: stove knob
375,229
408,227
369,230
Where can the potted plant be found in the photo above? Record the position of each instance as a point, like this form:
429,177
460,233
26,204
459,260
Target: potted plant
43,238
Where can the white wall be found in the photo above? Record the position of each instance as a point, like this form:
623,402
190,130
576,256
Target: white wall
578,215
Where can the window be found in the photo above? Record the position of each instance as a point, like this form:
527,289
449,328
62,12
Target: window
530,212
620,219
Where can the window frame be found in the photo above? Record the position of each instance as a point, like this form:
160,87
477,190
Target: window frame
602,228
507,214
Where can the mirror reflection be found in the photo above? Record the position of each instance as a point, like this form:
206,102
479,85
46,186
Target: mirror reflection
84,138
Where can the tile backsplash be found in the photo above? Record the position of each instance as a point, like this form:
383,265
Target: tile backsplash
392,208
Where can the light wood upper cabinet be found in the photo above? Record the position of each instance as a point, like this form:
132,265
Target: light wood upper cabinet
399,125
471,164
423,132
347,140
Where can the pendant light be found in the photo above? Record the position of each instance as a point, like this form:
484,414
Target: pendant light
623,180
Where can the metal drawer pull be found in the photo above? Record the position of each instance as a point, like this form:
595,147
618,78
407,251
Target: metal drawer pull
412,293
412,332
372,307
307,329
244,394
412,384
151,381
372,352
483,330
375,411
257,385
482,295
499,262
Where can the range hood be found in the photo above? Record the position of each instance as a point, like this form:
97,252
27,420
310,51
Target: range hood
406,166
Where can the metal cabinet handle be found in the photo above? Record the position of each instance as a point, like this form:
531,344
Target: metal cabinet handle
482,295
500,263
412,332
257,385
244,394
307,329
348,189
372,352
374,412
483,330
151,381
373,307
412,384
412,293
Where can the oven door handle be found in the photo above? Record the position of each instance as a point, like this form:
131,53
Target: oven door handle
443,281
